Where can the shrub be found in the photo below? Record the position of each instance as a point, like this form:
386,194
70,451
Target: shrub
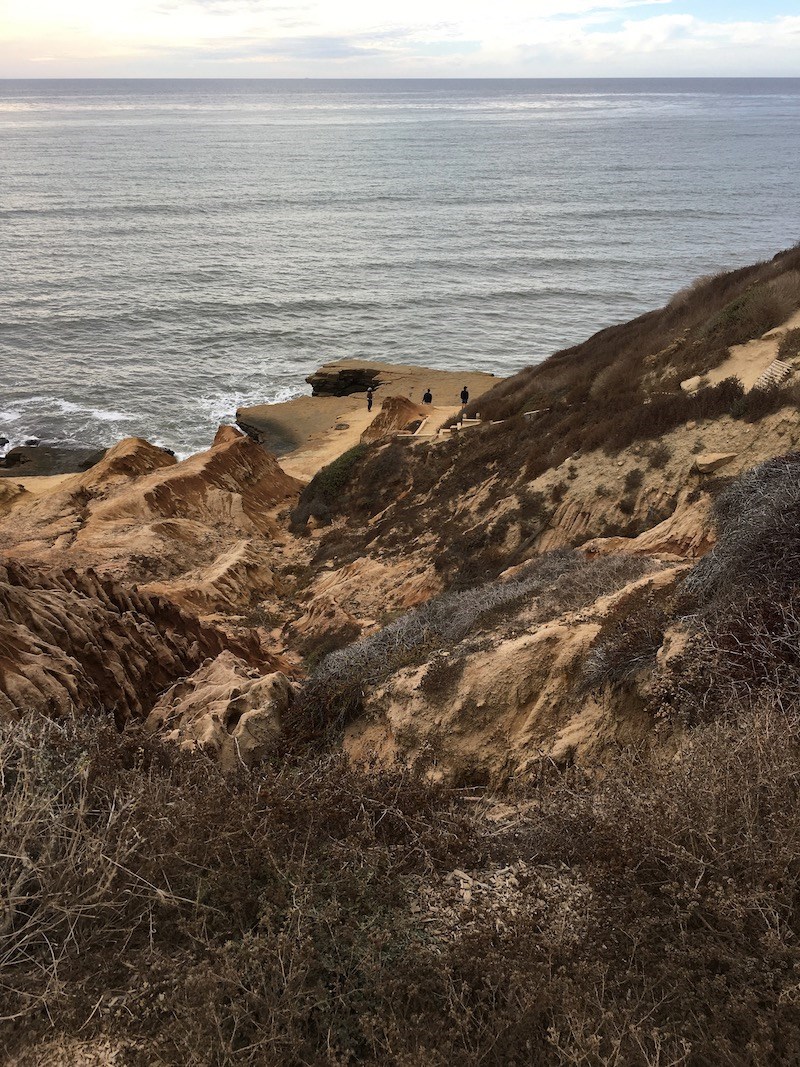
558,491
309,913
659,456
759,309
627,505
442,674
759,403
325,488
628,642
789,347
633,480
758,534
558,581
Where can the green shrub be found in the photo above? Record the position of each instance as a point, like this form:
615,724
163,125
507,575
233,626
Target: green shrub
327,484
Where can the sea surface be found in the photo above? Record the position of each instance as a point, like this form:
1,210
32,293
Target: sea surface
172,249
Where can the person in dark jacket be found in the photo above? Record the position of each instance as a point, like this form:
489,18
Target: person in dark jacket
370,395
464,396
427,396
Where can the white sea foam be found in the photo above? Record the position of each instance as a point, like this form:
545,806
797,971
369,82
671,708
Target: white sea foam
68,407
223,407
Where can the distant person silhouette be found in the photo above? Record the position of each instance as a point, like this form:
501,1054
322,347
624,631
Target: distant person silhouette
427,397
370,394
464,396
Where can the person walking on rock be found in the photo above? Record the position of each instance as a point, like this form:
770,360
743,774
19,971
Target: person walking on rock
464,397
370,395
427,396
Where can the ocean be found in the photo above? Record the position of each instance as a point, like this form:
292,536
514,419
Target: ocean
173,249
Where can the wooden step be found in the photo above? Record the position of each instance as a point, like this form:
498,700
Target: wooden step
778,371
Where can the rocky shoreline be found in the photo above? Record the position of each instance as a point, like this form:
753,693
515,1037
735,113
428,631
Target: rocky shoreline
338,390
309,431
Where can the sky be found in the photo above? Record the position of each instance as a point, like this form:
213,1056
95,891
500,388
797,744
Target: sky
398,38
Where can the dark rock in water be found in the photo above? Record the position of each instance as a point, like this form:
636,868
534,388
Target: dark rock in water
3,442
41,460
342,381
31,442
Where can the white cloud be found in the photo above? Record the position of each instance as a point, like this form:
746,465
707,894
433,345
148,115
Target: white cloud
415,37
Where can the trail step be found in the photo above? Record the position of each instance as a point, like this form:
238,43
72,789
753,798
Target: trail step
778,371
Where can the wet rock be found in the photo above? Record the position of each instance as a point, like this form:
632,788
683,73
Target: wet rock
41,460
334,380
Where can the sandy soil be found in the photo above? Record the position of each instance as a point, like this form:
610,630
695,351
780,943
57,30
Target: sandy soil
324,447
39,485
748,361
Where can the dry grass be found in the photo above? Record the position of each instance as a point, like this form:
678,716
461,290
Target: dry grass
306,914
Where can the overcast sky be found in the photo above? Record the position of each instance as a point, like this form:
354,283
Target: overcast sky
398,38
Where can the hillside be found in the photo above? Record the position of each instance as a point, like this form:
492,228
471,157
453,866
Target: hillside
477,744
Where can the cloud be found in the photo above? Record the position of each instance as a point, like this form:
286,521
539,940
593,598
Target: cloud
299,48
547,38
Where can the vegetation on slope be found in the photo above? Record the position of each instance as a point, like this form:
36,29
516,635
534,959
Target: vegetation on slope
619,388
306,914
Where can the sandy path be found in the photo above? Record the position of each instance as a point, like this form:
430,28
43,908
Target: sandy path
748,361
325,446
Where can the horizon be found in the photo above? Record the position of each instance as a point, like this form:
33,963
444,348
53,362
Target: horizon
416,77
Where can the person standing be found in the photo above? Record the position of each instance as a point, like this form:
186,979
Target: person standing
370,395
464,397
427,396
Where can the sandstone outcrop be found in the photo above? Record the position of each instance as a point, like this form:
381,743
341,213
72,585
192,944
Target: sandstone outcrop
515,703
325,624
197,526
104,576
240,575
71,641
397,413
709,462
226,707
10,494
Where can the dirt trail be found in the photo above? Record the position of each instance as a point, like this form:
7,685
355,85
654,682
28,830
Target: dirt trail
748,361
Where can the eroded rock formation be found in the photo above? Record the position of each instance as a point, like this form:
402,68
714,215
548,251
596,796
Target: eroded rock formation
72,641
228,708
104,577
397,413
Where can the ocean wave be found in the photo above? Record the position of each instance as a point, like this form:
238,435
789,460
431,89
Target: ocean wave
222,407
